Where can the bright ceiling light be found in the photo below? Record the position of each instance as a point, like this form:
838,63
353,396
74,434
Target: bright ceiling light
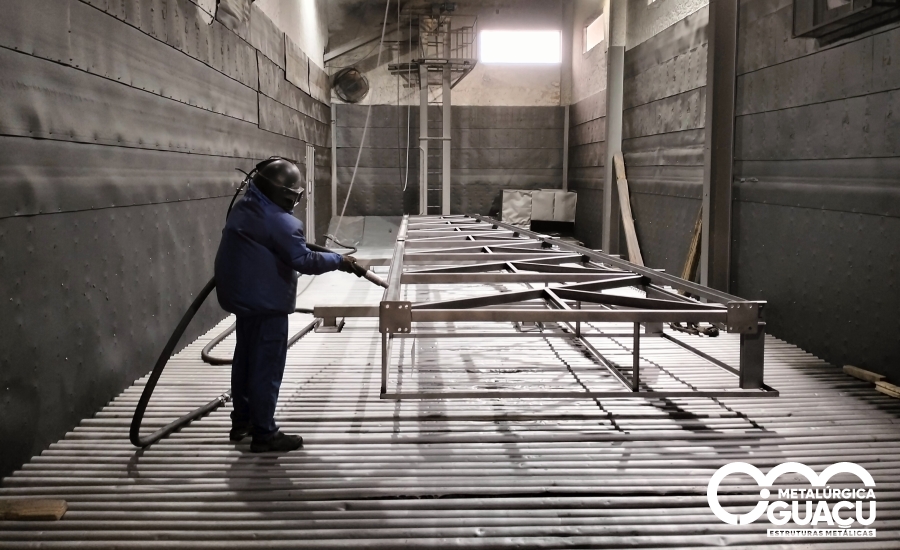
520,47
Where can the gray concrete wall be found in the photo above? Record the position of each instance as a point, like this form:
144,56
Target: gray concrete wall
817,186
122,124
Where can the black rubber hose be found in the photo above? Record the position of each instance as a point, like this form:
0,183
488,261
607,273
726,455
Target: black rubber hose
205,352
138,418
135,433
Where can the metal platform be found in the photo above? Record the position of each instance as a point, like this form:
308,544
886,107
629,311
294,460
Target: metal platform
459,473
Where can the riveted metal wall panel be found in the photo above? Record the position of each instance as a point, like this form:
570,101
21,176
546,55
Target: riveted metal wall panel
666,225
183,25
685,36
378,157
131,57
273,83
296,65
587,224
589,177
323,191
686,111
91,298
591,154
682,73
592,131
265,36
235,15
817,196
588,109
281,119
587,156
37,27
116,212
829,278
846,128
68,32
670,149
48,100
868,185
319,83
46,176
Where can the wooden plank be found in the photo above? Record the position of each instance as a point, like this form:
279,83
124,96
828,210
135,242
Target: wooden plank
887,388
634,249
32,510
42,99
863,374
693,256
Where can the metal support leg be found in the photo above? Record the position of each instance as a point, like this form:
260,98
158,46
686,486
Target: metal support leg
384,362
636,367
752,352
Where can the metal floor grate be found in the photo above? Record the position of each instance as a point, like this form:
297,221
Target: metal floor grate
472,473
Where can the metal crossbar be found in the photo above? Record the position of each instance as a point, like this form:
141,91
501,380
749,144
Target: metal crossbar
578,289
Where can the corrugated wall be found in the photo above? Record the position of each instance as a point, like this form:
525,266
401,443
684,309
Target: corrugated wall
664,101
121,124
493,148
817,186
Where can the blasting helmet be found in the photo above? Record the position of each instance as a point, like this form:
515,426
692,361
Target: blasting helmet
279,179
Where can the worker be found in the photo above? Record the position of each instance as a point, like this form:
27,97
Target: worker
263,249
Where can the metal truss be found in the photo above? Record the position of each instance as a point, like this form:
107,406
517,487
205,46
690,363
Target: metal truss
466,250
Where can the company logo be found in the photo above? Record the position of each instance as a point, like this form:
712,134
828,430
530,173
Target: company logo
819,506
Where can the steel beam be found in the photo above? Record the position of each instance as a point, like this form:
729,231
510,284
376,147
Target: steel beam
578,284
715,253
615,76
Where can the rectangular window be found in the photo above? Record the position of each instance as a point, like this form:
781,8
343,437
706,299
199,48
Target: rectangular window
594,33
520,47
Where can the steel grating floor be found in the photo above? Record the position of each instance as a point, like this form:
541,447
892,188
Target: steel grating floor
489,473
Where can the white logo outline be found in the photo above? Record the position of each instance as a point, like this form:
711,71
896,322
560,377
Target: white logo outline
766,481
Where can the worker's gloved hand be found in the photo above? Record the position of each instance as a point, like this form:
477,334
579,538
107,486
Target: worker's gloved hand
348,264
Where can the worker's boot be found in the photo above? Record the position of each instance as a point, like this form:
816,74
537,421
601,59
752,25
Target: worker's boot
280,442
239,430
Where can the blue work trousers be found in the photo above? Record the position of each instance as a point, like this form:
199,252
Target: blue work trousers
257,370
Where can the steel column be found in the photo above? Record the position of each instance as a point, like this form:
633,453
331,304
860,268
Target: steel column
565,168
715,255
334,178
615,74
445,142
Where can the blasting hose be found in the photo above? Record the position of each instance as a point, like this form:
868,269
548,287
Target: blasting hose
135,433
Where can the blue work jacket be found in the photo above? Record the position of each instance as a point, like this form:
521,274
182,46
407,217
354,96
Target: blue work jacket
262,250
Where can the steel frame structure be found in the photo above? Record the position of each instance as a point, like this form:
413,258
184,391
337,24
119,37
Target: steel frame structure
476,249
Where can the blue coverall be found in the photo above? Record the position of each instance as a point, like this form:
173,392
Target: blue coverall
262,250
